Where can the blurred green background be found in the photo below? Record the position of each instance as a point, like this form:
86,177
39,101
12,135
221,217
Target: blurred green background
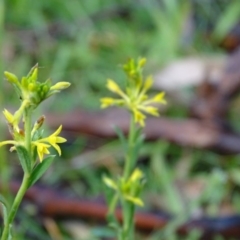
84,42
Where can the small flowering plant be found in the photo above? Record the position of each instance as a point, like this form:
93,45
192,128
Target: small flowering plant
28,142
128,187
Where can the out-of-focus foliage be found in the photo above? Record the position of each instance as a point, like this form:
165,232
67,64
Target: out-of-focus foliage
81,41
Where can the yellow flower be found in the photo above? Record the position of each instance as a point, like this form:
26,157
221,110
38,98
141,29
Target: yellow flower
54,139
131,187
42,149
135,97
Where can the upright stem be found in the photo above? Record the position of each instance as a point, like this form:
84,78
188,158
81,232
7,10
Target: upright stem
28,128
25,183
129,161
128,207
128,220
18,199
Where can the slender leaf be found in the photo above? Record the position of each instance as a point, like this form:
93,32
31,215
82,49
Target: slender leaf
113,222
121,137
40,169
227,20
24,158
163,176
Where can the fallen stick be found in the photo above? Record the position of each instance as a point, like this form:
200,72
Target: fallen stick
191,132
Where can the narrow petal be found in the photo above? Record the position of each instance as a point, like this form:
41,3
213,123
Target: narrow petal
41,153
113,87
160,98
147,84
42,149
60,140
139,117
106,102
57,148
57,131
134,200
150,110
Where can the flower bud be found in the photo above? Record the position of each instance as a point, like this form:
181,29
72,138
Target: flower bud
34,75
9,117
142,62
11,77
31,87
40,122
60,86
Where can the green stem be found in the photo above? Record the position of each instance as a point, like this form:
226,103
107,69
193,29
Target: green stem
128,207
130,159
26,178
28,129
21,192
128,220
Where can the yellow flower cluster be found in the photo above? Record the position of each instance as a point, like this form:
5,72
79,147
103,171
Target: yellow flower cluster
129,189
135,97
43,144
29,88
32,93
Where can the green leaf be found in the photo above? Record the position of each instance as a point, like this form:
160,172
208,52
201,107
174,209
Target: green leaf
139,139
227,20
122,138
113,222
138,134
24,158
4,207
40,169
113,205
110,183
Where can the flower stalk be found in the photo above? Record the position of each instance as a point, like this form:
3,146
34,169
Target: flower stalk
28,129
134,98
129,207
130,158
17,201
28,142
